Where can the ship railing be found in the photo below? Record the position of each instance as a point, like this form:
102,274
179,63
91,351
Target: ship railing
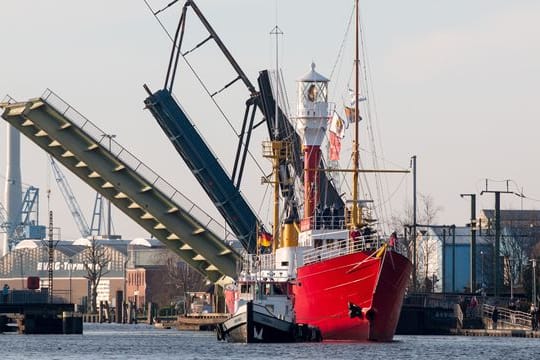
121,153
333,249
320,222
253,263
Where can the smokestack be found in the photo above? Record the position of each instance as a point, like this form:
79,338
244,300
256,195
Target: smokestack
13,189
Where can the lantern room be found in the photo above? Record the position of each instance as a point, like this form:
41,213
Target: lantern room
312,108
313,94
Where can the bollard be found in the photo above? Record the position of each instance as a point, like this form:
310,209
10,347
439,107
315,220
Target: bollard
150,318
72,323
119,307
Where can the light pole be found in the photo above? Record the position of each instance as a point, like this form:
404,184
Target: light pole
534,281
109,230
472,278
482,261
413,163
510,275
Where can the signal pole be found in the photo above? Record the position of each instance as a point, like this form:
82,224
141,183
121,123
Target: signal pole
472,277
413,163
497,233
534,281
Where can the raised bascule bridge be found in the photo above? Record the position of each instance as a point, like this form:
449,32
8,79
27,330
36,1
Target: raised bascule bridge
149,200
129,184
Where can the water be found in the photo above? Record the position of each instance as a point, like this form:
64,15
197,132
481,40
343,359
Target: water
111,341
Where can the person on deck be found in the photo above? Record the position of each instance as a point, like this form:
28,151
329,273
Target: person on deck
495,317
392,240
534,317
354,235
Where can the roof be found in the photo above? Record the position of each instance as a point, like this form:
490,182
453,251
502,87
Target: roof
146,242
463,236
514,215
70,248
313,76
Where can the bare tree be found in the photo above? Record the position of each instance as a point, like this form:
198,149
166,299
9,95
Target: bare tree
528,273
96,262
176,278
426,215
517,245
182,277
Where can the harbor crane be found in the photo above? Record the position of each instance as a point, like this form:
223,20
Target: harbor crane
3,217
28,227
73,205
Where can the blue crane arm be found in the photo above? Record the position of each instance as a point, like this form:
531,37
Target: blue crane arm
205,166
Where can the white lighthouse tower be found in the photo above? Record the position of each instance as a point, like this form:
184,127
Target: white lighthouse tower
312,119
13,188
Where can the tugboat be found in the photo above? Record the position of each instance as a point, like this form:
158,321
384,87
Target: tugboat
264,311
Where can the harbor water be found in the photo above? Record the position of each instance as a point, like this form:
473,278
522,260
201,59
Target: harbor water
111,341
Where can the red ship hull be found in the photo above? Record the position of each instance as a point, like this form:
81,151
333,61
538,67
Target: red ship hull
375,284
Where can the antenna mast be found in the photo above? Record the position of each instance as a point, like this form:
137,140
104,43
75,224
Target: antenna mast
277,145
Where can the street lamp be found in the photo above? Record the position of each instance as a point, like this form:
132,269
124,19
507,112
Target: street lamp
534,281
510,275
109,230
482,261
472,278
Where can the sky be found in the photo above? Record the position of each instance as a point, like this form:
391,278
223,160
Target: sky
454,83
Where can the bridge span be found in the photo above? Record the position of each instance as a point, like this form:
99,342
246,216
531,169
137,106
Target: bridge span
130,185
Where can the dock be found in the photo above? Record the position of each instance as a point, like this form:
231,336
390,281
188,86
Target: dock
33,312
198,322
502,333
40,318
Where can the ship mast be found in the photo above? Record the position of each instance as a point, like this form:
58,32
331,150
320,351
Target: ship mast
277,146
355,213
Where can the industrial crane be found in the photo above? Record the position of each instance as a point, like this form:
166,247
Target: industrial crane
3,217
71,201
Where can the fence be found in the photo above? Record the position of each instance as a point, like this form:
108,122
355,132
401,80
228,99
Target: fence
507,318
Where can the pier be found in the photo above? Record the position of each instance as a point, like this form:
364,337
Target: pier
32,314
444,314
502,332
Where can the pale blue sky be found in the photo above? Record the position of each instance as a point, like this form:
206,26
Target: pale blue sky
454,82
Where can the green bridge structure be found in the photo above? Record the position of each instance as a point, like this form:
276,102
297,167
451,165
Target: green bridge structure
130,185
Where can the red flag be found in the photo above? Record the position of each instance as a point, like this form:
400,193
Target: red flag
335,146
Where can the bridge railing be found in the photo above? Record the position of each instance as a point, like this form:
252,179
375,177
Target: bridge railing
445,301
122,154
509,318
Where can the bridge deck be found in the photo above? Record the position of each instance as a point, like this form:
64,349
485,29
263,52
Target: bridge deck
130,185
